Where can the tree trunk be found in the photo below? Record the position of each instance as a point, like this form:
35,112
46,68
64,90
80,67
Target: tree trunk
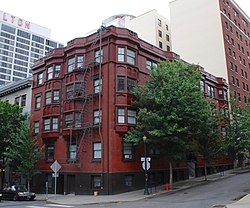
170,176
205,170
28,185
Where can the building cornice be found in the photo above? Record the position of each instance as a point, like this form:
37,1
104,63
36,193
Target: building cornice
16,86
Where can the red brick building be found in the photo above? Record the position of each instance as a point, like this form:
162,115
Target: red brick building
82,108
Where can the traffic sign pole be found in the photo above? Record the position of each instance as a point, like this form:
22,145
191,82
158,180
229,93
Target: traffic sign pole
55,167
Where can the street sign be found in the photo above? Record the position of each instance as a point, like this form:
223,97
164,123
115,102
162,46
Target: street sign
55,175
55,166
147,161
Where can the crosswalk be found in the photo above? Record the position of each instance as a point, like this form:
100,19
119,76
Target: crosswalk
51,205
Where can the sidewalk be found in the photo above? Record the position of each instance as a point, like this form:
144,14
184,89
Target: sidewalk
139,194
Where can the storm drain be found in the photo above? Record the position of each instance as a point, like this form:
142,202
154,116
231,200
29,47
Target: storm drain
219,206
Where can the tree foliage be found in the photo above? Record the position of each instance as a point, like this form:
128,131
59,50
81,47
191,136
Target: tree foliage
24,153
207,139
171,108
238,131
10,121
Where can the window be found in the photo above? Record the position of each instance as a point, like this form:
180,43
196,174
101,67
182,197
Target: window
226,25
131,84
48,98
71,64
38,101
150,64
159,22
99,56
55,124
167,37
50,152
40,79
46,124
79,89
56,96
23,100
232,41
128,180
121,84
211,91
202,85
50,73
237,82
80,62
127,151
78,119
160,33
68,120
69,91
235,68
97,85
131,116
233,80
97,150
121,54
130,57
234,56
166,27
221,94
57,71
72,151
97,117
96,181
160,44
239,97
36,127
121,115
16,101
231,29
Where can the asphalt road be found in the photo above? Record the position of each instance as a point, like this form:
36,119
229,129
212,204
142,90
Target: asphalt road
224,191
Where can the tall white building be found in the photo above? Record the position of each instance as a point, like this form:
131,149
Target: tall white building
21,43
150,27
216,35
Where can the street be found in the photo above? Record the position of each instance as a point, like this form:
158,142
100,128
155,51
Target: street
225,191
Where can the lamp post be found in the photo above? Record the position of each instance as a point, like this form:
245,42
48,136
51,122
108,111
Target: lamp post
146,168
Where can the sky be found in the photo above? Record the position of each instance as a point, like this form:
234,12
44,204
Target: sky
71,19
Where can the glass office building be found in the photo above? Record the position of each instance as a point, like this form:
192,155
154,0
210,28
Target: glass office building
21,44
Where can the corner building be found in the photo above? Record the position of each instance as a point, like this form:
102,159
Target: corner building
216,35
82,109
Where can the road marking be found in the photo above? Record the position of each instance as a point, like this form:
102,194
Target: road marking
50,205
58,205
244,197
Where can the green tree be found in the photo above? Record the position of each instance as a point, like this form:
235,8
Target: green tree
171,106
238,131
11,119
207,138
24,153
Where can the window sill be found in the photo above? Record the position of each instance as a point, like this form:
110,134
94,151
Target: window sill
96,160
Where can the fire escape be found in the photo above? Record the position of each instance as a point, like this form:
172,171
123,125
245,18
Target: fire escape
83,129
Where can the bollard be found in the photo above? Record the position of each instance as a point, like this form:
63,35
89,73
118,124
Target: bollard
167,189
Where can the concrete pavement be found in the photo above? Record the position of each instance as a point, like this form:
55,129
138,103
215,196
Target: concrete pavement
139,194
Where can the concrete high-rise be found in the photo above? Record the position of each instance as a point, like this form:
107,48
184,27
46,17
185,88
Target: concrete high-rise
150,26
214,34
21,43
